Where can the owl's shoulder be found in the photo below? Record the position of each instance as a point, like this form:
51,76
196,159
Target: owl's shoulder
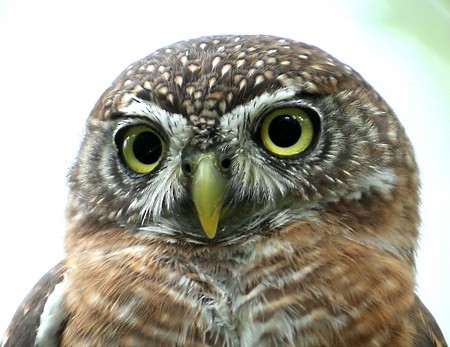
428,333
40,316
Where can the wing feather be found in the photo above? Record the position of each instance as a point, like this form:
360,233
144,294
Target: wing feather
24,326
428,333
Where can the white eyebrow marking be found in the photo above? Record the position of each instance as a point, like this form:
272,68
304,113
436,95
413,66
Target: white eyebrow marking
232,122
143,108
175,125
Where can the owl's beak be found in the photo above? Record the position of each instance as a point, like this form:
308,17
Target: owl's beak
208,191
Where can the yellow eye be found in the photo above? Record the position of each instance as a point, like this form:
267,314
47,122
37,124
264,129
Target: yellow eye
141,149
287,131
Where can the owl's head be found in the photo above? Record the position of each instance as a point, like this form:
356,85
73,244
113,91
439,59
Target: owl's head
226,138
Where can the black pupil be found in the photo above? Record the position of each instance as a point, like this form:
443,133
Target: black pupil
147,147
285,130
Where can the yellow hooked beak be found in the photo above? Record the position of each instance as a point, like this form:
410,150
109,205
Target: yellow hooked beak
208,191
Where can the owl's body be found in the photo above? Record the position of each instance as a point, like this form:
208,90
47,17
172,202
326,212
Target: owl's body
237,191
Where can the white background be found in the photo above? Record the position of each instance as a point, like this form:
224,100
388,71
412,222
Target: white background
57,57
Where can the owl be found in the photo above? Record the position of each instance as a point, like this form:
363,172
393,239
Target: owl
236,191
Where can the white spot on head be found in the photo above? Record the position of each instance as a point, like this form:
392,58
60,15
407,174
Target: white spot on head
190,90
128,83
225,69
166,75
211,81
259,63
240,62
216,61
193,68
163,90
147,85
183,59
242,84
259,79
178,80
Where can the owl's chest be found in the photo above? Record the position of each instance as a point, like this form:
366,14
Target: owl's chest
224,303
138,299
271,296
242,305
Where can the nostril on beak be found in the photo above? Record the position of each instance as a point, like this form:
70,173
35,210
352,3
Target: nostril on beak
225,164
186,167
190,163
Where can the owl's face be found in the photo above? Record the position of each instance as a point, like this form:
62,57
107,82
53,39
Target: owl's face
221,139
